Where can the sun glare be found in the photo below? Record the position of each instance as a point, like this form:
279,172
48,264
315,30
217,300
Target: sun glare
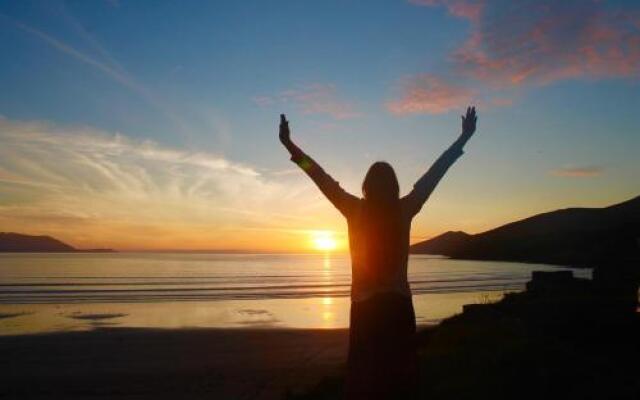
324,241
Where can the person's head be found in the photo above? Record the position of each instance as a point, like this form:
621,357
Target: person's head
380,185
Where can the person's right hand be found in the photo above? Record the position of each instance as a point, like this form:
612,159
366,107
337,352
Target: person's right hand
285,134
469,122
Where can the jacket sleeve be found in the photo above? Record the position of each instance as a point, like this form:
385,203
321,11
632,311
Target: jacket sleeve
428,182
341,199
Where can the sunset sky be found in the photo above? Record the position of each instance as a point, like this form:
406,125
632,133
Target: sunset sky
153,124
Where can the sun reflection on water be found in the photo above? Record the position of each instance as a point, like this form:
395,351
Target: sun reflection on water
327,261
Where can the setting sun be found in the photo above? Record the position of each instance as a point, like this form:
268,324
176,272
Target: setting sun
324,240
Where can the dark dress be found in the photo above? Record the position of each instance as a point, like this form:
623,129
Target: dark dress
382,361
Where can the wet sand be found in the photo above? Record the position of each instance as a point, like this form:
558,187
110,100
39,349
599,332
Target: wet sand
128,363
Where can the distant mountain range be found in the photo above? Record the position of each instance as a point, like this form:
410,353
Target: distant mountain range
579,237
19,243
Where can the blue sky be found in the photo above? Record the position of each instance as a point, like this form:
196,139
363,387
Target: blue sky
556,87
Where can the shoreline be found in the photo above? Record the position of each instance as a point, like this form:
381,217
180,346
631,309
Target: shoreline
310,313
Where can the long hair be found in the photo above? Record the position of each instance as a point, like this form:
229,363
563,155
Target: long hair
380,185
381,219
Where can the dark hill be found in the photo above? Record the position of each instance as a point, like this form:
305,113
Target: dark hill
16,242
443,244
572,236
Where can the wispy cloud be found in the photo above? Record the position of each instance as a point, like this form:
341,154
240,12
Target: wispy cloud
96,188
103,63
314,98
588,171
515,44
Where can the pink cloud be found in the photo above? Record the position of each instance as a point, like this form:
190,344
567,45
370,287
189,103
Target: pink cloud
527,43
429,94
539,42
579,172
314,98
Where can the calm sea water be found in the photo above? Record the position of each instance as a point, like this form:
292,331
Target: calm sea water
53,292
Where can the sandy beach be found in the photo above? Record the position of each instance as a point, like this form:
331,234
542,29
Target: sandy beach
126,363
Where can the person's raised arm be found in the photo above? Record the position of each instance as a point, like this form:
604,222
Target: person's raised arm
428,182
342,200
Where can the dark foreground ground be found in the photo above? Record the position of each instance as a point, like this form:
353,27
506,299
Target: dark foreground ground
566,345
474,360
168,364
472,356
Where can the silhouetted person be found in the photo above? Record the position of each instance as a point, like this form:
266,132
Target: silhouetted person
382,360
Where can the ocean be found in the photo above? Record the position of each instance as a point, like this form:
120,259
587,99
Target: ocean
80,291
